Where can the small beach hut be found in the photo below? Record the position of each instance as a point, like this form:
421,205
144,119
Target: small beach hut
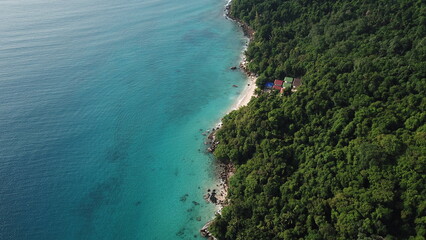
288,80
297,82
286,85
269,84
277,87
278,83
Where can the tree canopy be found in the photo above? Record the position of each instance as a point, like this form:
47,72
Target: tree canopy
344,157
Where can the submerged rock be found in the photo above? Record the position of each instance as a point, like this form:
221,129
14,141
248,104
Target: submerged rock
183,198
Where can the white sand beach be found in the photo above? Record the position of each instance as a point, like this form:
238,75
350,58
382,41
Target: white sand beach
246,94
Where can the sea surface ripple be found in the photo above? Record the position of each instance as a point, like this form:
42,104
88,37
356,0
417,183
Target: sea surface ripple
101,106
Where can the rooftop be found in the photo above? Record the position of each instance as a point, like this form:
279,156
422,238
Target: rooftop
288,79
278,82
286,85
269,84
297,82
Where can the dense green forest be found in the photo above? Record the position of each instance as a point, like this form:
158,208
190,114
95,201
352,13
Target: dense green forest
344,157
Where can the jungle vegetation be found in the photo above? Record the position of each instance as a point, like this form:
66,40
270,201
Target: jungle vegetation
344,157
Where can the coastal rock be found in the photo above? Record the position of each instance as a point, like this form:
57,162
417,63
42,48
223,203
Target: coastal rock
211,136
205,231
206,196
213,198
233,68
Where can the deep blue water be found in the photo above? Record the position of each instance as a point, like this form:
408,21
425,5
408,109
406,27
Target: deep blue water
101,106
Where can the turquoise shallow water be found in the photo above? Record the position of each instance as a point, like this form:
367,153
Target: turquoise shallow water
101,106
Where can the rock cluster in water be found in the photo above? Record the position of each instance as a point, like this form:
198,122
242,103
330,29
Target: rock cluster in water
205,232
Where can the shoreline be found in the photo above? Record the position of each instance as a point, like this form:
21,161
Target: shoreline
249,89
223,172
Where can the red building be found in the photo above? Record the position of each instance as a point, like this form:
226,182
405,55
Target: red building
278,83
277,87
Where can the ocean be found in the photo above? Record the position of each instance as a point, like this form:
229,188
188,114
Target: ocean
102,109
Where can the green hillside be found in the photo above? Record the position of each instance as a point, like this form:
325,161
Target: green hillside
344,157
